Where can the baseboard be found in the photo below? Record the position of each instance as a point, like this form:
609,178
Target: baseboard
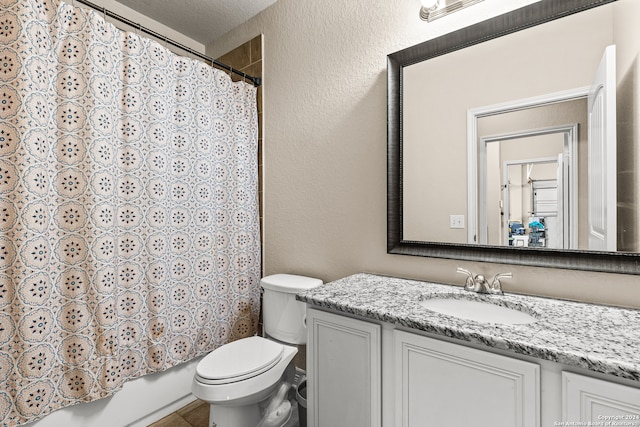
163,412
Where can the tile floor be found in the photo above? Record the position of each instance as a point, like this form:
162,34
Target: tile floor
195,414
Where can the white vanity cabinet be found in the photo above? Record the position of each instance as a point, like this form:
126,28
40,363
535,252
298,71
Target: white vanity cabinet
365,373
448,385
343,371
597,402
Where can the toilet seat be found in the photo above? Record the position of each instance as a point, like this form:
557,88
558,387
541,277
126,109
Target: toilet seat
239,360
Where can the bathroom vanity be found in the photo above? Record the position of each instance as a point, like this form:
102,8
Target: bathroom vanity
378,357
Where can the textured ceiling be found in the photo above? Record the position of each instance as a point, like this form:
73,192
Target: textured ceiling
201,20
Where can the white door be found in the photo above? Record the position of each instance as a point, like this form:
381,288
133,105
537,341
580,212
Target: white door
602,155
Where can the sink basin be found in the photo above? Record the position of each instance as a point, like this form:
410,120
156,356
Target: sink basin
478,311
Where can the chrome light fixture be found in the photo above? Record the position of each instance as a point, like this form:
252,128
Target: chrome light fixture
428,6
434,9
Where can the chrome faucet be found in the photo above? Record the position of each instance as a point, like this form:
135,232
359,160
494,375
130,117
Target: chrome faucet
496,287
479,283
473,283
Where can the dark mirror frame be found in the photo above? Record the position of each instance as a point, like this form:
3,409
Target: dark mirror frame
520,19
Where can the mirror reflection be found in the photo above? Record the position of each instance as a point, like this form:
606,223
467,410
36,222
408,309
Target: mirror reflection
526,188
509,143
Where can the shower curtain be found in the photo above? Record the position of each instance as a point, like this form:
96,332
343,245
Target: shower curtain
129,233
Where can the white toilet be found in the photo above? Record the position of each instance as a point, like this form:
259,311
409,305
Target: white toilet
243,380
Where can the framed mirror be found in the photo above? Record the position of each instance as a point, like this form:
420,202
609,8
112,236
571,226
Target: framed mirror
488,140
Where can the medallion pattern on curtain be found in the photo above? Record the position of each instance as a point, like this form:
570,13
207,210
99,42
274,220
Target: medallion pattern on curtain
129,232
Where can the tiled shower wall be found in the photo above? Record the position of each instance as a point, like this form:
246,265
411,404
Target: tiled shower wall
248,59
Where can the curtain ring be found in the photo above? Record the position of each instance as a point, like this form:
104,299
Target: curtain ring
104,14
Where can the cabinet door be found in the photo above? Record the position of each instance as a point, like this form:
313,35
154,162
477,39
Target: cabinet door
343,371
440,384
586,399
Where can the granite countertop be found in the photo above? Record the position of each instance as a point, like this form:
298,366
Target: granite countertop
599,338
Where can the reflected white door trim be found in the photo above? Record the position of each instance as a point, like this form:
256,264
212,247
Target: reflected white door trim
473,144
569,174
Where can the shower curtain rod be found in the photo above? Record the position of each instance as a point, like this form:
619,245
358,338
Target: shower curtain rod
257,81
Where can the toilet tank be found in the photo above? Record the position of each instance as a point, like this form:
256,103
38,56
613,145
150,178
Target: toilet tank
284,318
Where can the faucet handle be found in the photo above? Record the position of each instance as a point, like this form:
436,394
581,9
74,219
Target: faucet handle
496,287
464,271
503,276
469,284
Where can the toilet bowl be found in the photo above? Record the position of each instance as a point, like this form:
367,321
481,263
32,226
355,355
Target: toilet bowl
242,379
237,377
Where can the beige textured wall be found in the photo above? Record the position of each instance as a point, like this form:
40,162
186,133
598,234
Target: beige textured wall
325,145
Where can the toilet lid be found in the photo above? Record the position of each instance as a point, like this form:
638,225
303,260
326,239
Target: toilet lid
239,360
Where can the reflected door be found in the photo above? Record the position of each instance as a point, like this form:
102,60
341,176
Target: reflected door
602,155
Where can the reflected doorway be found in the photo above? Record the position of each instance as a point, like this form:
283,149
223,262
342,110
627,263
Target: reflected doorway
529,187
534,213
592,221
